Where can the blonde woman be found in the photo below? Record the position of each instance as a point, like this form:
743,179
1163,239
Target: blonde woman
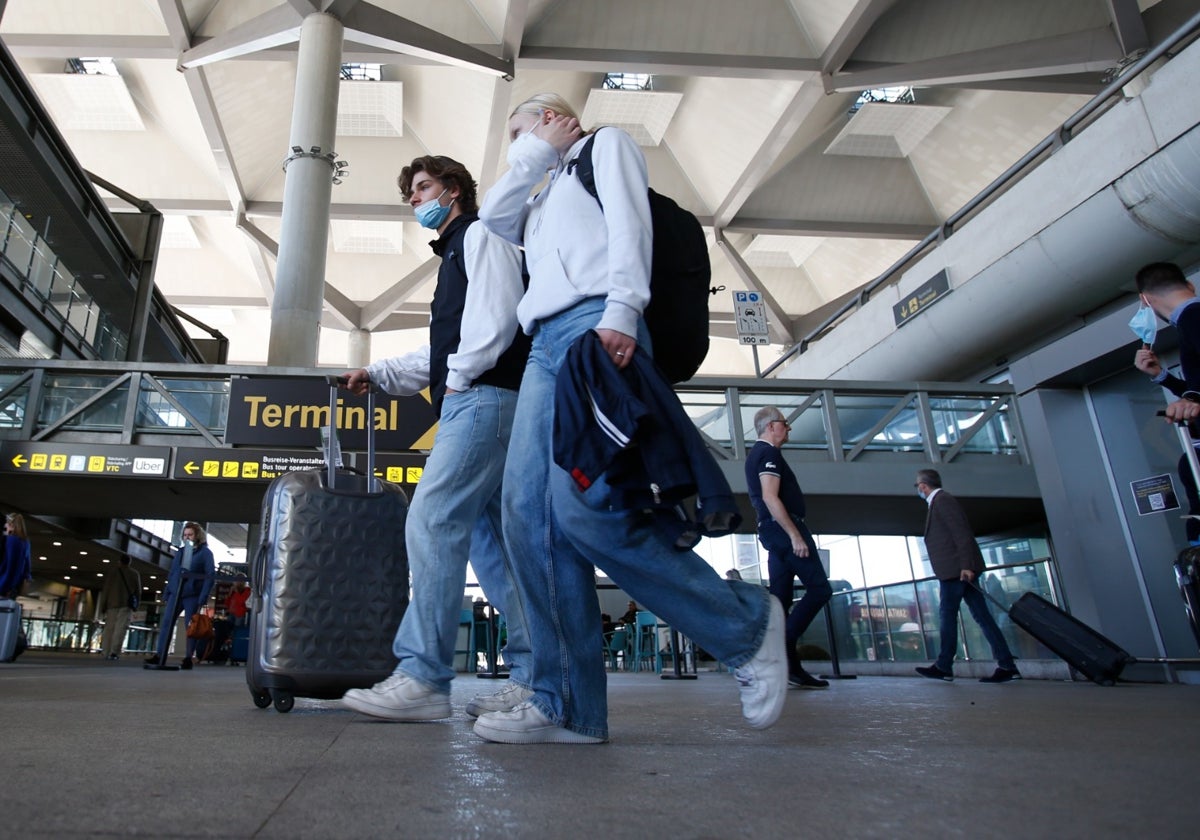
589,269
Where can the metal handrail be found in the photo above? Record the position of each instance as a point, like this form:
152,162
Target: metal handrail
1057,138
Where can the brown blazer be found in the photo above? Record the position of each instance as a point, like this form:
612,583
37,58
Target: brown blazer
949,539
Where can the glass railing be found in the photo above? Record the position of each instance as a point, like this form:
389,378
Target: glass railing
83,636
931,422
44,276
899,622
846,420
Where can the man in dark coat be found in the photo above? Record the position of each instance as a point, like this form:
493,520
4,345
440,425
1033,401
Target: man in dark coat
958,562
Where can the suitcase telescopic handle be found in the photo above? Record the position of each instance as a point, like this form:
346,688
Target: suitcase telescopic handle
1186,444
336,382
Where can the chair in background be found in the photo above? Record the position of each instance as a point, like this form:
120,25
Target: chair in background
467,619
616,648
645,641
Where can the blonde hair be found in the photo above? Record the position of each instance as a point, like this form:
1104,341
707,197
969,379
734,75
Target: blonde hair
16,522
545,102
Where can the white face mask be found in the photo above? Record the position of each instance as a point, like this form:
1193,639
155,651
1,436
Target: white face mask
515,148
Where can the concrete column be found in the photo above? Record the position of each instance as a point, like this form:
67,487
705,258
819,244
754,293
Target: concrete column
359,349
300,272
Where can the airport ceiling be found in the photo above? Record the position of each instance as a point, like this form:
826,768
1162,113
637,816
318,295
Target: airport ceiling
747,123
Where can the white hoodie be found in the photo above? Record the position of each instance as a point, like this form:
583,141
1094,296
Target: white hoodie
573,249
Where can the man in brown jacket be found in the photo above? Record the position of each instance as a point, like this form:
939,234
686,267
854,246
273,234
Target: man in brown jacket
958,562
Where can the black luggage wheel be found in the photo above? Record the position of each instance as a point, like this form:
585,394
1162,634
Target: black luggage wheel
262,699
283,701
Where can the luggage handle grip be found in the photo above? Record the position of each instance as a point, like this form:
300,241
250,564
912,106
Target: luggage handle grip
336,381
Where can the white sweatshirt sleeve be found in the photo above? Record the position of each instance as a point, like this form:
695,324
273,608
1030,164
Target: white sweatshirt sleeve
489,319
402,375
507,203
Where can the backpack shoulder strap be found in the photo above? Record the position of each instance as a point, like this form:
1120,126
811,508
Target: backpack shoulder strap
581,165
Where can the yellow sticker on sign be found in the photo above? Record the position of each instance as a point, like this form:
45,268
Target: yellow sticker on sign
95,463
250,470
229,469
58,462
413,474
37,461
395,474
211,469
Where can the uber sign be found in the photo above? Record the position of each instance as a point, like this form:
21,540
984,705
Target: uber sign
83,459
290,412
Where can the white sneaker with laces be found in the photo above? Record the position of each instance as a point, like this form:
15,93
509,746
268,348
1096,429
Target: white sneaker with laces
504,700
524,724
763,680
399,697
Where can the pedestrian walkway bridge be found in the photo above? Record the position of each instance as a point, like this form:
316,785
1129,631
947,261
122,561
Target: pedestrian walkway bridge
152,440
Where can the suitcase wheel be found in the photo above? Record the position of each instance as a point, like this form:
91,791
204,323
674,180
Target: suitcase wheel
262,699
283,701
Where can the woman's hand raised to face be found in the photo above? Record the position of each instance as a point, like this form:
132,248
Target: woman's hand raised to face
560,132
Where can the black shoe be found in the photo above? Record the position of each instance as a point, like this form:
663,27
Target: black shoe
802,679
1002,675
186,664
152,660
933,672
112,657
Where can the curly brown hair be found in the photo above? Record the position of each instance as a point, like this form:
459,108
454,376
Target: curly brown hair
449,172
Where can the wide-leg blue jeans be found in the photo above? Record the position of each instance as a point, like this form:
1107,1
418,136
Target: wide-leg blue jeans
455,515
556,534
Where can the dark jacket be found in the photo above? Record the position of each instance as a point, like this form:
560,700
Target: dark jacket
201,568
949,539
15,567
630,426
446,311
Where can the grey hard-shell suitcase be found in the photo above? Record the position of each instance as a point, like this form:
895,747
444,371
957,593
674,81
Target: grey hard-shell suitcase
329,583
10,628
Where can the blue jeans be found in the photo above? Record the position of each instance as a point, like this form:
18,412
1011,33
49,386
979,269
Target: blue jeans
954,593
556,534
455,516
189,607
783,567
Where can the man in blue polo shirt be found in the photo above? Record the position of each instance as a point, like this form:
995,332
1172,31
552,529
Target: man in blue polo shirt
1164,289
791,550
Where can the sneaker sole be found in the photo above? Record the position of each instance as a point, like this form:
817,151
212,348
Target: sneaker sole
775,650
425,711
541,735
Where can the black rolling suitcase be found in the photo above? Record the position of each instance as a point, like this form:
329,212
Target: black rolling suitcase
1081,647
330,582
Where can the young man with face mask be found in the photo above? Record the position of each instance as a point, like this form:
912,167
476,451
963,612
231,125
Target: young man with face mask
1165,290
472,367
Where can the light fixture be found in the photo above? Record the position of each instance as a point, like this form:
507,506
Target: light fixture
83,553
41,556
316,150
105,560
296,150
74,567
56,543
66,577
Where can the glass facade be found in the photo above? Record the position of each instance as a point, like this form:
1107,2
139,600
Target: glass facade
885,601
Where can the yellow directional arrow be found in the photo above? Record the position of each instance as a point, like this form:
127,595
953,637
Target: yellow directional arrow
190,467
19,461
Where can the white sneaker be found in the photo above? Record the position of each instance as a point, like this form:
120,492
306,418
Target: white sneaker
526,725
399,697
504,700
763,680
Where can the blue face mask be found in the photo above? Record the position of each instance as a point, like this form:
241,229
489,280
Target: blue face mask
431,214
1144,324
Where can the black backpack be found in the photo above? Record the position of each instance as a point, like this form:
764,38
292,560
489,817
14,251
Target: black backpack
677,315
